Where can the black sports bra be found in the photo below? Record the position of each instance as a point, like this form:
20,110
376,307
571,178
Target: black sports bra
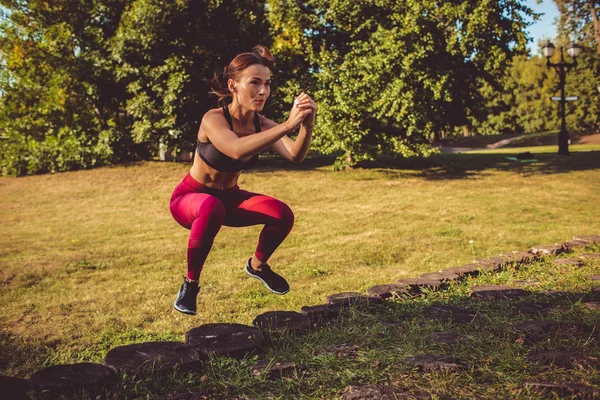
222,162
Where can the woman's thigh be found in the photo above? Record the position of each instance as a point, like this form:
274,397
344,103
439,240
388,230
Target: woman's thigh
257,209
188,207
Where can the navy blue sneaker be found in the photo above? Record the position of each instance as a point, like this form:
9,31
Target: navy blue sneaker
274,282
186,298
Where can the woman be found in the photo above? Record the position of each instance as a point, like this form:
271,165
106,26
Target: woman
229,140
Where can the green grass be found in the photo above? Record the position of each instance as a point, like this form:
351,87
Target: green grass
92,259
368,345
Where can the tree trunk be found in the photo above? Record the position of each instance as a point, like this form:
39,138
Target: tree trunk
591,3
349,161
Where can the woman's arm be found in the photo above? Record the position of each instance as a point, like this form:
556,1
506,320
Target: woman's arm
226,141
296,150
290,149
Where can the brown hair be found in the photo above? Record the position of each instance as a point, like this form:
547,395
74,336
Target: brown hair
218,84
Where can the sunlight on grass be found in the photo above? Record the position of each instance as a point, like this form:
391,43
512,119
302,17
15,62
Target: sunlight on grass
93,259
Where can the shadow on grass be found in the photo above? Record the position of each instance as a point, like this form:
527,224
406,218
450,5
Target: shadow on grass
454,166
272,163
16,354
494,341
478,357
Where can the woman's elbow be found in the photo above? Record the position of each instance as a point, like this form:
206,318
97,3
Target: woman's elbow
237,154
297,159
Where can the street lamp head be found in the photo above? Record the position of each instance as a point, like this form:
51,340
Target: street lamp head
548,49
573,50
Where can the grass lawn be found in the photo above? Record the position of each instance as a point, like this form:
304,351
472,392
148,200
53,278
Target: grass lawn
92,259
368,346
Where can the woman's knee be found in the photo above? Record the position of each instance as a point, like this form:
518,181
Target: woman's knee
213,209
286,215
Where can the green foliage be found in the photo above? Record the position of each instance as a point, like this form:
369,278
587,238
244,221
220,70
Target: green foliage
389,76
165,50
523,102
292,49
577,20
87,83
57,110
583,115
91,82
523,105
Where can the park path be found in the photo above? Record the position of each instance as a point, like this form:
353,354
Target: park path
495,145
588,139
503,143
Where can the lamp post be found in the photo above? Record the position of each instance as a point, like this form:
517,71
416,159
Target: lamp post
561,69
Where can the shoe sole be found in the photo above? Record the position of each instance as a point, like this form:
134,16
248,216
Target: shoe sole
188,312
264,283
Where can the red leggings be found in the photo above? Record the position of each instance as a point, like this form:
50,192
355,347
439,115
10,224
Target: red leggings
204,210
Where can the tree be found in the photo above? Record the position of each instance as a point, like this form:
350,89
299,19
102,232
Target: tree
579,21
389,75
165,50
91,82
523,103
583,115
59,103
580,18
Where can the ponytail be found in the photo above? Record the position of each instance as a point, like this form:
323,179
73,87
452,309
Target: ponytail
218,88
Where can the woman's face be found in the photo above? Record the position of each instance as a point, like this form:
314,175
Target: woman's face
253,87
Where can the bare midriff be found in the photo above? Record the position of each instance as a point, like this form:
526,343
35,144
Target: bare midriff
212,178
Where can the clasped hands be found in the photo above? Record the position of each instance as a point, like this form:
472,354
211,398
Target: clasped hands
303,111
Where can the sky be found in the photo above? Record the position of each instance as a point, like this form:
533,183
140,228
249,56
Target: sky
545,27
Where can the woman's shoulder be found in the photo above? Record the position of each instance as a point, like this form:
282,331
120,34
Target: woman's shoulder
213,113
211,120
265,122
213,117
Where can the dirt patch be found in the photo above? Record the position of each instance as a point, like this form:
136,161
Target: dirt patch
588,139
